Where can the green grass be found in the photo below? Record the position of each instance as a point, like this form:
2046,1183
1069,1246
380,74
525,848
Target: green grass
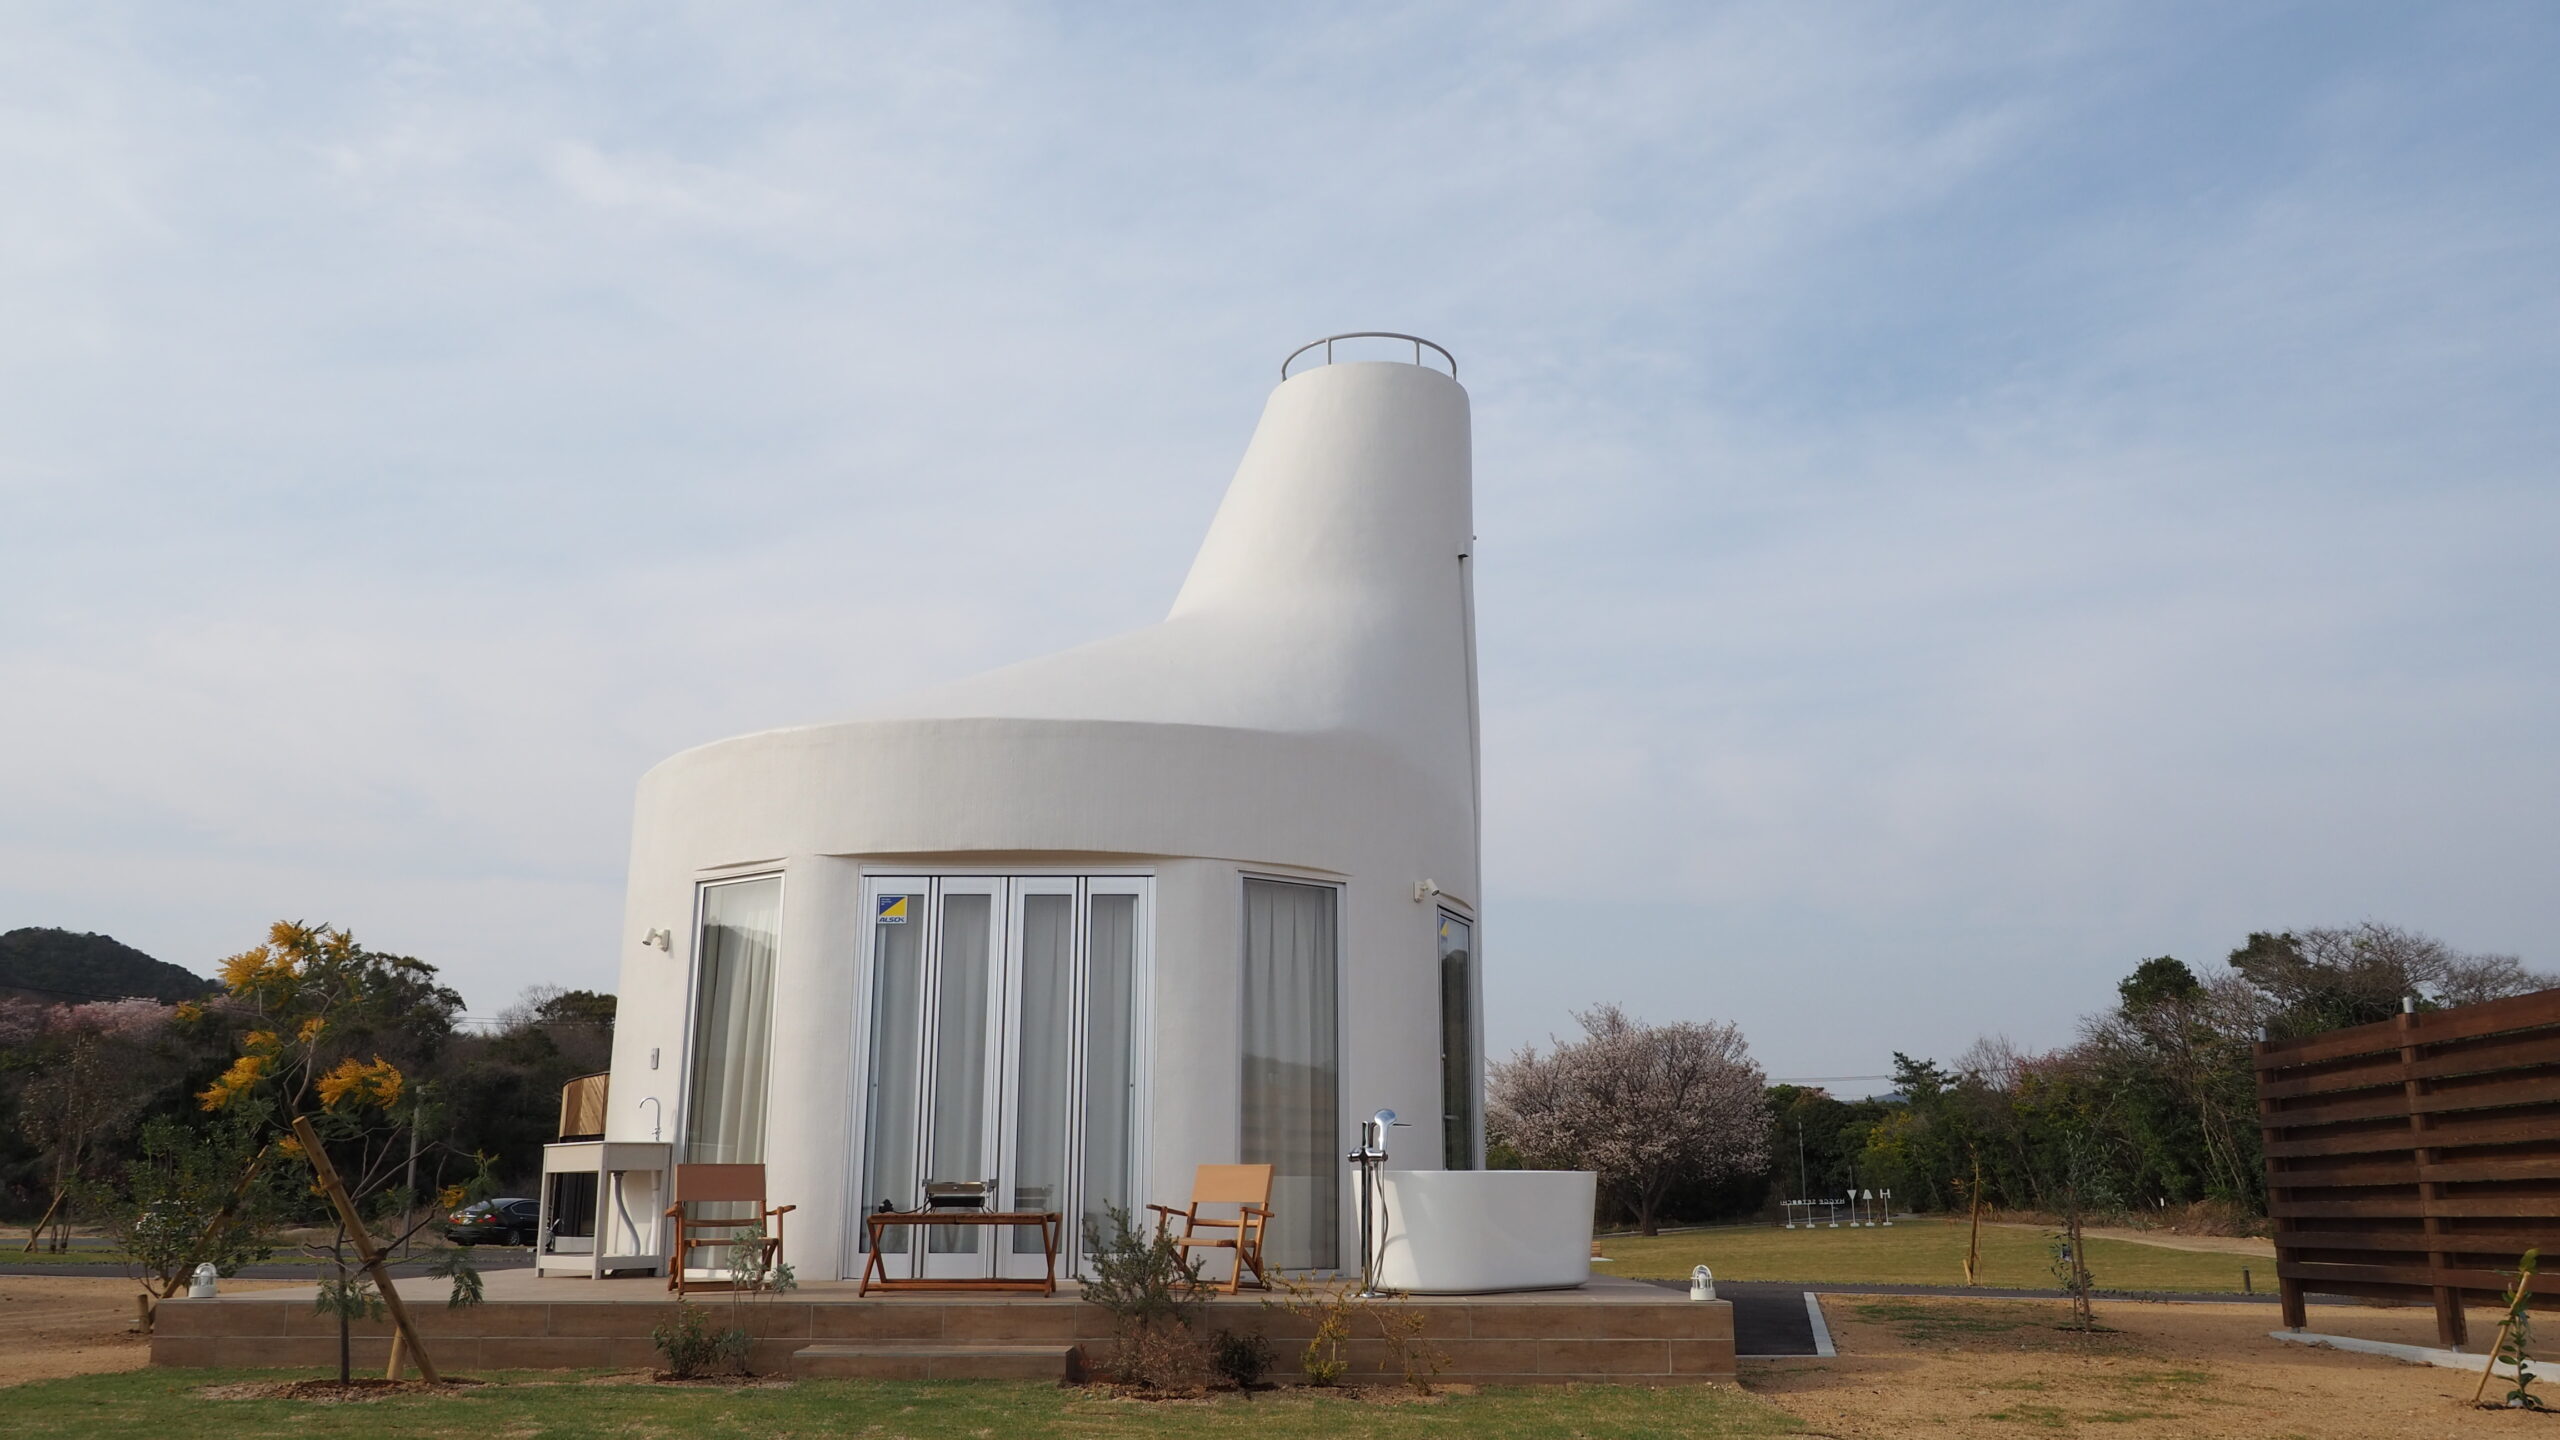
156,1404
1919,1252
12,1255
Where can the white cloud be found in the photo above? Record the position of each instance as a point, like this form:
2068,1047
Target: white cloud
1969,500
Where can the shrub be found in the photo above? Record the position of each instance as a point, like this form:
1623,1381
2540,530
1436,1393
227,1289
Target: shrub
1152,1292
1338,1307
692,1347
1244,1359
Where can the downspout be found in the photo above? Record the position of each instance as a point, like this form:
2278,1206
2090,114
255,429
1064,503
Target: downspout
1475,849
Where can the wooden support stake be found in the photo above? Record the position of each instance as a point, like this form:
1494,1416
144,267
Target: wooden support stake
1973,1242
38,1232
402,1330
2515,1308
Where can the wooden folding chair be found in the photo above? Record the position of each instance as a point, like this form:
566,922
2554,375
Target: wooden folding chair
1248,1188
721,1185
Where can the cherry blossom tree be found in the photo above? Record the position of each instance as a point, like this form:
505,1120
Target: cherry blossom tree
1648,1107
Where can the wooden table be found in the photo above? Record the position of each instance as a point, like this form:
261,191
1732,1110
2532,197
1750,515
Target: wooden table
875,1275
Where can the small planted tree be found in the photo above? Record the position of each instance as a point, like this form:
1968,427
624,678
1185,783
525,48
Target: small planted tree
191,1195
1339,1310
1153,1293
309,1085
688,1338
2514,1347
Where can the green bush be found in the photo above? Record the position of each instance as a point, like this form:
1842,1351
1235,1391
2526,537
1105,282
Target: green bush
1153,1293
1244,1359
692,1347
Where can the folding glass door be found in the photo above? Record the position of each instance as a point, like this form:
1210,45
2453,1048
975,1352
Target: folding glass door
1001,1050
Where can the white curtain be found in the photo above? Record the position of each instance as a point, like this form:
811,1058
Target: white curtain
1290,1066
955,1146
1109,1076
732,1021
1043,1081
897,1047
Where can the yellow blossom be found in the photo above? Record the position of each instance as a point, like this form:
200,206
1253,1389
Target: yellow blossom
239,1080
189,1012
311,1029
267,973
261,1042
377,1084
241,971
450,1197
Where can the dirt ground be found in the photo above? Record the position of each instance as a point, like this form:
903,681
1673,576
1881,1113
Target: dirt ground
1908,1367
51,1326
1931,1367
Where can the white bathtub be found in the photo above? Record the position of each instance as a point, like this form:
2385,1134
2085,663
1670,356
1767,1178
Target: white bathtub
1466,1232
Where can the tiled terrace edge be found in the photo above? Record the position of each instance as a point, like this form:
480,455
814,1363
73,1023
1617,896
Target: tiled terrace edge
1610,1336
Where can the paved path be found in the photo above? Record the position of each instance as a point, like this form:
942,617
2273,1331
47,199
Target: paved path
1770,1319
2259,1246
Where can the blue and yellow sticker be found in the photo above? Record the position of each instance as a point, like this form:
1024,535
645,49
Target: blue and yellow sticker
893,910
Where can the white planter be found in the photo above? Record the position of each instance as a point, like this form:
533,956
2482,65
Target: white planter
1470,1232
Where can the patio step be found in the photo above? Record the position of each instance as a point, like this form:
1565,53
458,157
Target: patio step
934,1360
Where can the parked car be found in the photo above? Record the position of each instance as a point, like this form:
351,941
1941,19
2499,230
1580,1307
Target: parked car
494,1222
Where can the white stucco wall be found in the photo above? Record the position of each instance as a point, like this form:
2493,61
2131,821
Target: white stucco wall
1307,711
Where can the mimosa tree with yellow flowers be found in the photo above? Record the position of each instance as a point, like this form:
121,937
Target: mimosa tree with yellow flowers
316,1006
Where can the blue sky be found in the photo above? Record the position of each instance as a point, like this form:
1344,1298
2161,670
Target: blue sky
1971,496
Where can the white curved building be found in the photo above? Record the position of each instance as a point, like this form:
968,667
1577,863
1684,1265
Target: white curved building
1203,892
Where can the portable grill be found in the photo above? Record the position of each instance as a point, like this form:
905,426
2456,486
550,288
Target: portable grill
958,1194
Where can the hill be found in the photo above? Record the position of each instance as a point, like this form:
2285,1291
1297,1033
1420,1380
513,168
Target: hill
47,964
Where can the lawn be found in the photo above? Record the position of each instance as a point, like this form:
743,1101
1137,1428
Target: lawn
155,1404
1919,1252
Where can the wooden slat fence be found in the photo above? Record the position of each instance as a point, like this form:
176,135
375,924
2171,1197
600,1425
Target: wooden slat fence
2413,1160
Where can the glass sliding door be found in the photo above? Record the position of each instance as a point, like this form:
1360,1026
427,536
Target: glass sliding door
1044,1076
1112,930
1457,1043
900,920
1291,1066
732,1028
958,1135
1001,1046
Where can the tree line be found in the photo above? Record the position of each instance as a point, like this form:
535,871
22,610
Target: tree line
90,1089
2151,1107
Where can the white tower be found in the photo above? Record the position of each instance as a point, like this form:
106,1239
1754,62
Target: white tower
1198,893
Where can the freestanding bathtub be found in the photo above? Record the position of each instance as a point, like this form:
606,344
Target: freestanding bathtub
1467,1232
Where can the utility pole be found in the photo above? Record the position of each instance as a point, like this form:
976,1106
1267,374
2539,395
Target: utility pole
417,1118
1802,1191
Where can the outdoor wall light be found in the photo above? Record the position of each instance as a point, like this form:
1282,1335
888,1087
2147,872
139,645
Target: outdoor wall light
659,938
1424,890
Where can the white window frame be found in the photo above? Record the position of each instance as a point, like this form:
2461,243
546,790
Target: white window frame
693,990
1087,881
